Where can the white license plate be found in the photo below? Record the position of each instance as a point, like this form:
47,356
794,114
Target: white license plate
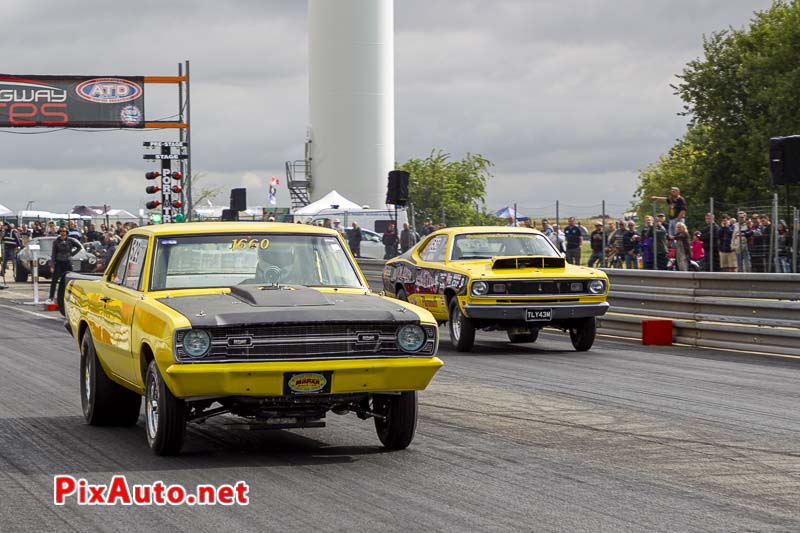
538,315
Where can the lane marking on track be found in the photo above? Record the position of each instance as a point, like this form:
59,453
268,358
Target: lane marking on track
34,313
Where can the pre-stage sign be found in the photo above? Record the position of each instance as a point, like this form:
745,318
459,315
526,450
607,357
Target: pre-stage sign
72,101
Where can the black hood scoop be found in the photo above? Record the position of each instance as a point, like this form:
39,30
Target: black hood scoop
279,295
273,305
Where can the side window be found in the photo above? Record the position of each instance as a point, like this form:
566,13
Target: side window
122,262
434,250
135,264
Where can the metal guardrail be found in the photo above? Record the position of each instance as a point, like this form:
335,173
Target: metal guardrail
745,312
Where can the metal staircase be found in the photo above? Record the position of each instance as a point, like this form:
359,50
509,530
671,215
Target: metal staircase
298,179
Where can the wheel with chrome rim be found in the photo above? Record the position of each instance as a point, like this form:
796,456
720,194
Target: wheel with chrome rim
104,402
462,329
165,415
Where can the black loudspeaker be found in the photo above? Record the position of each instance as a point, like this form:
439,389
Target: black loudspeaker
229,215
397,191
784,160
238,199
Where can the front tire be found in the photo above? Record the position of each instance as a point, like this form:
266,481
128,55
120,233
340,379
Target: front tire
104,402
397,430
531,336
165,415
582,333
462,329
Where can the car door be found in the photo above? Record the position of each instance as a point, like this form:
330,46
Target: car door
427,286
122,293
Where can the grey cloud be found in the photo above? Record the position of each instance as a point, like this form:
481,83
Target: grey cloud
568,98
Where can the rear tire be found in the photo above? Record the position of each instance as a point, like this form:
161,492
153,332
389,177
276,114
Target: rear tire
165,415
582,333
531,336
462,329
397,431
104,402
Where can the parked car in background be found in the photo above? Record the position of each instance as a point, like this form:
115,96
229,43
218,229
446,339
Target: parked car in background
82,261
371,243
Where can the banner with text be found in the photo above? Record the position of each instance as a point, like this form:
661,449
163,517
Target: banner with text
71,101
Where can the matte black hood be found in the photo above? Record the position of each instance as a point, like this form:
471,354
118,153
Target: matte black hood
257,304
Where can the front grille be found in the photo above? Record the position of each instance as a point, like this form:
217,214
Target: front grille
304,342
525,287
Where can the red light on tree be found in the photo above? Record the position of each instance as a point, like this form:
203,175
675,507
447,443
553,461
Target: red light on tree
177,203
152,204
152,175
177,188
177,175
152,189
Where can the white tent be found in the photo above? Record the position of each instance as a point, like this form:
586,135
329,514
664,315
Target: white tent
332,200
5,212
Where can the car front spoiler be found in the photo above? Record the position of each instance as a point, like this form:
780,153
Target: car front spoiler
516,312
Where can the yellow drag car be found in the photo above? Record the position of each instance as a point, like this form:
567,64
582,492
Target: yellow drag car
499,278
271,322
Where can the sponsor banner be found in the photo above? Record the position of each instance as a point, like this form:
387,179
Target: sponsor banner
71,101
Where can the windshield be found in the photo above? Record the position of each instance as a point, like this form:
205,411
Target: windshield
489,245
206,261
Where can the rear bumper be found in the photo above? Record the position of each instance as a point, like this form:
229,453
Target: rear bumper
266,379
516,312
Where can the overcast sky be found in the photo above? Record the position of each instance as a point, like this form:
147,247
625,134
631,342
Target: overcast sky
568,98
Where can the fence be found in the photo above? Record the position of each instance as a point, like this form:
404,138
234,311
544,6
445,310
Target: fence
744,312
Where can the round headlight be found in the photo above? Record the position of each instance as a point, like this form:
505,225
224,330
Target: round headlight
411,338
196,342
479,288
597,286
92,260
42,262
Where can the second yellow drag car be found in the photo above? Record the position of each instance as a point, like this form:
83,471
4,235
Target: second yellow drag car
499,278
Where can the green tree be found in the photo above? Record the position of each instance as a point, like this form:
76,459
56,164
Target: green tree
744,90
455,190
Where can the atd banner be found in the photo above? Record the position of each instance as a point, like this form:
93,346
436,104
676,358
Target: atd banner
71,101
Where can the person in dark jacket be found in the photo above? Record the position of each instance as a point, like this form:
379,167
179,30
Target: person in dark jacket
596,242
60,260
706,234
784,248
354,238
727,256
630,246
11,243
390,242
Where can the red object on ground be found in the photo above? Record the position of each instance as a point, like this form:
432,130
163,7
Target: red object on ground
52,307
657,332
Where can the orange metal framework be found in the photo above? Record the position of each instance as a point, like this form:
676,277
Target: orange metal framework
166,79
